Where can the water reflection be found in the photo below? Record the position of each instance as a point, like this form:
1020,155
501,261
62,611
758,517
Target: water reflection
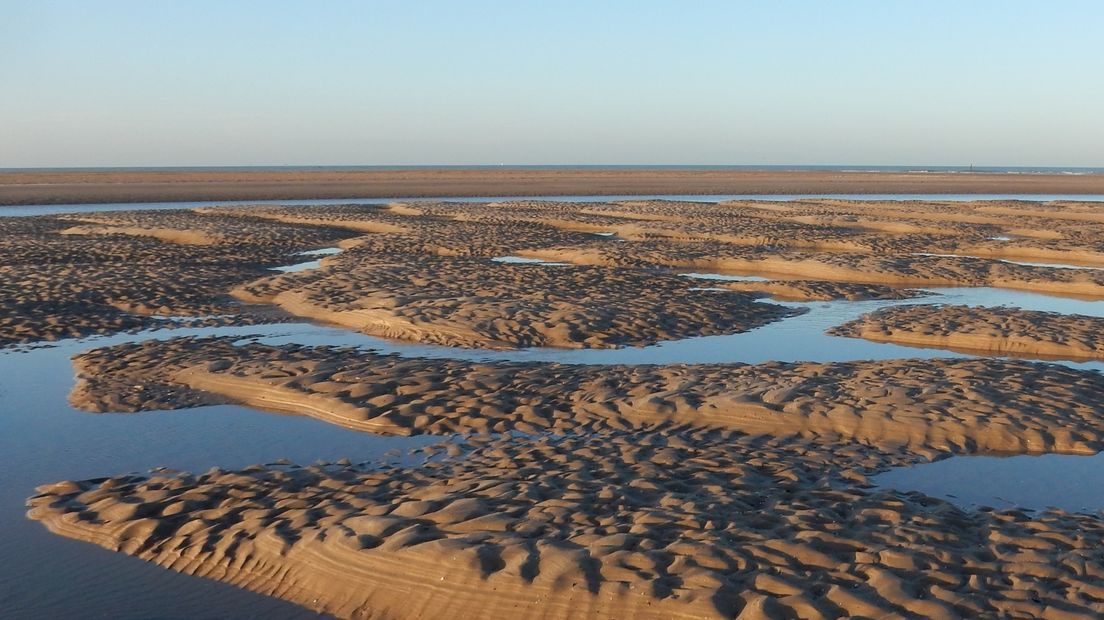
800,338
42,439
1068,482
724,277
311,264
521,260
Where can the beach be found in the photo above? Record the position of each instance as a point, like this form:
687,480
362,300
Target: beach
552,311
612,408
33,187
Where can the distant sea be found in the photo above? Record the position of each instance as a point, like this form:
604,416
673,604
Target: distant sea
749,168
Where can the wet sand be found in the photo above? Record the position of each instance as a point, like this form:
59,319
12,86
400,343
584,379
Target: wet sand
63,277
950,405
100,187
819,290
674,524
994,330
685,490
478,303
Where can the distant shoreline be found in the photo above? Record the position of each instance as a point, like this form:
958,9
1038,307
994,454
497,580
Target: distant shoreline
967,169
170,185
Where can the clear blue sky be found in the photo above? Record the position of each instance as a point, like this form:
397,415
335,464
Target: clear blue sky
99,83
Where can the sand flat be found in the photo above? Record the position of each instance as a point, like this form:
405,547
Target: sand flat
479,303
954,405
994,330
92,187
134,270
596,526
688,490
820,290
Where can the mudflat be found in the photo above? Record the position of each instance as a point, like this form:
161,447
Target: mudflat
32,187
564,490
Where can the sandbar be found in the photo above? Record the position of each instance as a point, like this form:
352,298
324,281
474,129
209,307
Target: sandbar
31,187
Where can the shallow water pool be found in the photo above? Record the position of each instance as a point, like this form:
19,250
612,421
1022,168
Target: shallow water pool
1069,482
521,260
311,264
43,439
799,338
724,277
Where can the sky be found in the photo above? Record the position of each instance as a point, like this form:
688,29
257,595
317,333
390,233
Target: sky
194,83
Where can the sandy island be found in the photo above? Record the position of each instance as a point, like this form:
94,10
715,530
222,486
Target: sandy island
670,524
951,405
994,330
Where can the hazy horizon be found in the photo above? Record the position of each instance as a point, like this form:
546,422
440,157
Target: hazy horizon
271,84
749,167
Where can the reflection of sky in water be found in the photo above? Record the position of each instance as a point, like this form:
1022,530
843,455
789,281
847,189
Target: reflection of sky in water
56,442
521,260
1068,482
1052,265
724,277
42,439
799,338
311,264
321,252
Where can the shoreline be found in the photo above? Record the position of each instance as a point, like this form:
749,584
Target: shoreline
76,187
735,481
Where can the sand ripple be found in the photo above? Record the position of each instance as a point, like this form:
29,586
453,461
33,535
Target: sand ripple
992,330
957,405
650,525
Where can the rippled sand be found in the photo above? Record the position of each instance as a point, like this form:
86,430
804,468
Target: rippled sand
994,330
696,491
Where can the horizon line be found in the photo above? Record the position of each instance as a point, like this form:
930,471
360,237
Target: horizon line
840,167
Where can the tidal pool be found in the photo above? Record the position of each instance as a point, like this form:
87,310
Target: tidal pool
799,338
43,439
1072,483
794,339
521,260
311,264
322,252
724,278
